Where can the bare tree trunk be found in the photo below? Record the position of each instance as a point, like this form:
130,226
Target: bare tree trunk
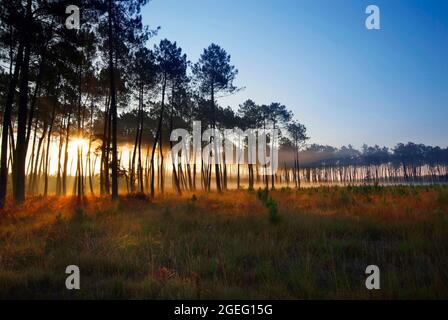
88,158
217,167
33,155
6,123
298,170
64,171
139,164
58,174
21,148
136,143
79,172
173,156
158,136
47,153
113,107
104,168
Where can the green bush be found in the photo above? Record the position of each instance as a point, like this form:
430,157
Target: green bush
270,204
273,210
263,194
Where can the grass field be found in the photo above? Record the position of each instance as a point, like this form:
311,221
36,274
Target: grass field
312,243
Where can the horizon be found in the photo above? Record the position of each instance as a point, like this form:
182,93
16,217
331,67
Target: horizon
347,84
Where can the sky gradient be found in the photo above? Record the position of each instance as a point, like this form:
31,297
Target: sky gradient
347,84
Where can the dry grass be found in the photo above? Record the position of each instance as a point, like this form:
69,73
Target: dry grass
225,246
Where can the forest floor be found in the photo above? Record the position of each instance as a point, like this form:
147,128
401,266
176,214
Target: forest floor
311,243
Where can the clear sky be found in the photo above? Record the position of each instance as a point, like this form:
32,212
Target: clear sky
347,84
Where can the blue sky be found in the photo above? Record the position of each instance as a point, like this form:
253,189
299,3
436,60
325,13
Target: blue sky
347,84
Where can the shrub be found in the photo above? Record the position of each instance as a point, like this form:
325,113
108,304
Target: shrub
273,210
270,204
263,194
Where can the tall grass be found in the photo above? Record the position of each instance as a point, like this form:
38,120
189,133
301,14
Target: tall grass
225,246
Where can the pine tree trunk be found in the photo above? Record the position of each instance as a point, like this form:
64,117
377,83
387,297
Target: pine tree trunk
6,123
158,136
21,148
64,170
113,107
47,153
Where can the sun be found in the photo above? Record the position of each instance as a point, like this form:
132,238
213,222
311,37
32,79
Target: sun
80,143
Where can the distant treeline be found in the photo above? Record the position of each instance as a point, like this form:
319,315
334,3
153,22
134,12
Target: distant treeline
408,162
